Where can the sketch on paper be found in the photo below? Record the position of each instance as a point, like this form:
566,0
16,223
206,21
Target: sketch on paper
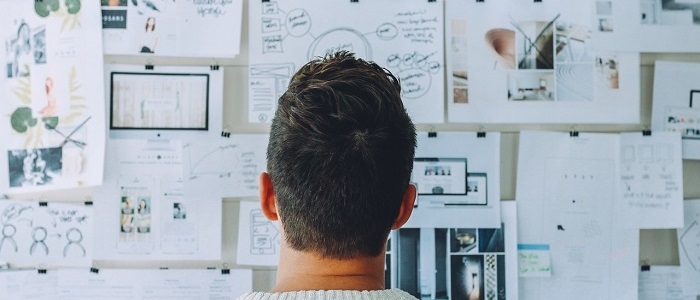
284,37
689,247
55,234
264,236
690,244
228,166
48,145
258,238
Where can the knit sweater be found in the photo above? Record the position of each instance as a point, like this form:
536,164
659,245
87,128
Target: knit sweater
393,294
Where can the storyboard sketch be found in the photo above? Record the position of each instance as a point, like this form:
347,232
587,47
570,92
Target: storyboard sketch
258,238
407,39
651,180
227,166
189,28
457,175
689,248
46,234
566,190
458,263
126,284
52,116
164,101
520,61
676,103
648,25
146,212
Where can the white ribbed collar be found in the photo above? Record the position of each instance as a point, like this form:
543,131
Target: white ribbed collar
392,294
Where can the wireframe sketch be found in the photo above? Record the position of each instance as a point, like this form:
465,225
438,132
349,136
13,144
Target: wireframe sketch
690,244
264,236
39,235
267,84
670,12
75,239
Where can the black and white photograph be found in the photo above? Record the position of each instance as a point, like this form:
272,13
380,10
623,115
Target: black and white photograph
534,44
179,212
18,48
34,167
531,85
467,277
463,240
491,240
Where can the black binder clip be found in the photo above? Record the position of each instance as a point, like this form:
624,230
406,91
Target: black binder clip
265,1
431,1
481,134
479,1
225,271
573,133
646,267
214,67
88,203
646,132
94,270
225,134
432,134
149,67
41,271
163,268
43,204
538,1
354,1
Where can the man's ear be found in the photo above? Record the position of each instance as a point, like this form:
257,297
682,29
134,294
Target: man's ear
409,198
267,197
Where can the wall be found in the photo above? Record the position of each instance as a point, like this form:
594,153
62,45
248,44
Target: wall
656,246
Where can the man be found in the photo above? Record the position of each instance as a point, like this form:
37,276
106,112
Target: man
339,163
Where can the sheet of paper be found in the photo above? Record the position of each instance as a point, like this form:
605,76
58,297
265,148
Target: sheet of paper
125,284
458,263
651,176
648,25
689,247
534,260
475,204
172,28
52,116
47,234
519,61
172,102
676,105
407,39
28,285
566,193
661,282
226,166
258,238
146,211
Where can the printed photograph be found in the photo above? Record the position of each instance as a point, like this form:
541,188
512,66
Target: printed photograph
491,240
534,44
113,2
179,212
127,214
463,240
606,73
531,85
604,15
18,50
143,216
467,277
575,81
34,167
670,12
50,93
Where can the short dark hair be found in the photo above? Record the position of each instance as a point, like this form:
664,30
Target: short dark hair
340,156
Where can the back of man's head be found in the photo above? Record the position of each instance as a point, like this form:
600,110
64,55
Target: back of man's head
340,157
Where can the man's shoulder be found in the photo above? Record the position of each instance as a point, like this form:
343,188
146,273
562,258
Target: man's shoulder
392,294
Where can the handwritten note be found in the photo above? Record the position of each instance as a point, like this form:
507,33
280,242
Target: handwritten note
534,260
651,180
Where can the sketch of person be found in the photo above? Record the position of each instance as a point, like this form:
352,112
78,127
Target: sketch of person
50,109
22,47
150,37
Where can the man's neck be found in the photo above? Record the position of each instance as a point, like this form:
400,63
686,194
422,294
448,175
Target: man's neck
305,271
